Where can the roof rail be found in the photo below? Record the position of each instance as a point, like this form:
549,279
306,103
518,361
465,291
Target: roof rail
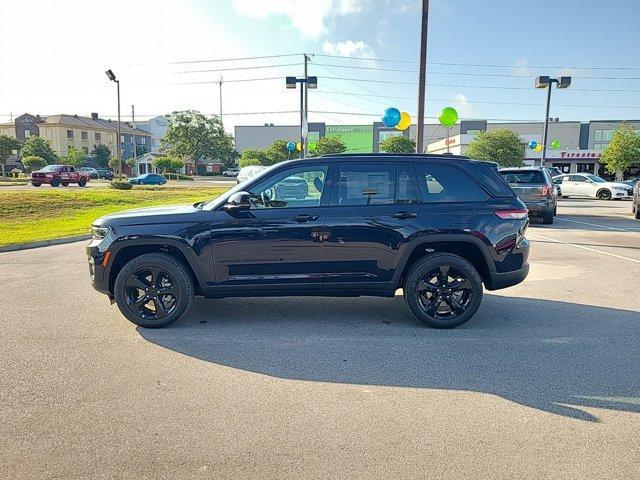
425,155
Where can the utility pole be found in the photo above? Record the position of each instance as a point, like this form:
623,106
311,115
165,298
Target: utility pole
305,126
135,145
118,146
220,88
422,75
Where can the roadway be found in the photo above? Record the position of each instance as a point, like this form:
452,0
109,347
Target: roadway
542,383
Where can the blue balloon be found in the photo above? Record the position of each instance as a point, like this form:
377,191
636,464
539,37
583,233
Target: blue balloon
391,117
533,144
291,146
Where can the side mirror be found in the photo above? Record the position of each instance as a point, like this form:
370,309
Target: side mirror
238,201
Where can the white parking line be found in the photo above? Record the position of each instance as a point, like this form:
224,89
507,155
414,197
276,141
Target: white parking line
619,229
529,234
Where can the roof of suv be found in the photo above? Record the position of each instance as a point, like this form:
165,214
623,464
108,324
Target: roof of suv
387,156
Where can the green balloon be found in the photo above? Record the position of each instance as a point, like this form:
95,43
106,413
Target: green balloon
448,117
313,145
555,144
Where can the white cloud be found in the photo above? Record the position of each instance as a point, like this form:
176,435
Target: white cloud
464,107
309,17
348,48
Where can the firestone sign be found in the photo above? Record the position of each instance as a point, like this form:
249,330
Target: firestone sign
579,154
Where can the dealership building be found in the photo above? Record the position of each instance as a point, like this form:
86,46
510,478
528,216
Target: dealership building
581,143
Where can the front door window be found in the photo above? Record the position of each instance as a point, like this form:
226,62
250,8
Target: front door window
294,188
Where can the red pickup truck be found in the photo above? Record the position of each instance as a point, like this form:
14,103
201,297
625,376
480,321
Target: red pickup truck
56,175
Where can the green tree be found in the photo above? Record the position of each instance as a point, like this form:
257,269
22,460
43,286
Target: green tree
622,151
33,162
168,164
247,162
192,135
398,144
329,145
502,145
113,163
101,153
7,146
75,157
39,147
140,150
277,152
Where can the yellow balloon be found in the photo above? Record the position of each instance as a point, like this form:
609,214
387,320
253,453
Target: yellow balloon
299,146
538,148
405,121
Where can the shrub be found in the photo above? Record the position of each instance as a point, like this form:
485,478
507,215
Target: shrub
177,176
33,162
118,185
247,162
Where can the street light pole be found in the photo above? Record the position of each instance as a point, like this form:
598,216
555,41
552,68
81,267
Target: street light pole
305,127
546,126
305,82
547,82
422,75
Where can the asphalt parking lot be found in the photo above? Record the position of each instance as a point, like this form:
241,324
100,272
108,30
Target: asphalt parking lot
218,181
543,383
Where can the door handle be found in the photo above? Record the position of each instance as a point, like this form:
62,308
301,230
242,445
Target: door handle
404,215
303,218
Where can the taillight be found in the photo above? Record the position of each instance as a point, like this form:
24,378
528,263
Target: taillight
512,214
545,191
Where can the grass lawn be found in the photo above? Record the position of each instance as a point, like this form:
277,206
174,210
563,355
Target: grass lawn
43,214
8,181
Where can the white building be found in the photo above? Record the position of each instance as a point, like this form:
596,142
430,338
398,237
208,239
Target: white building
157,126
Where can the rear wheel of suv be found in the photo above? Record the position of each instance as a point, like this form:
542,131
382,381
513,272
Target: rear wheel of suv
443,290
547,218
153,290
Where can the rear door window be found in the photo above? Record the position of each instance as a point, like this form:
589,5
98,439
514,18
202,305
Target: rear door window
446,183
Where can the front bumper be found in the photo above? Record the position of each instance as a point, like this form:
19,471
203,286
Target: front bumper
97,273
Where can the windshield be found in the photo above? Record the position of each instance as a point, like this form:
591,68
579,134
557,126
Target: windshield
523,176
51,168
595,178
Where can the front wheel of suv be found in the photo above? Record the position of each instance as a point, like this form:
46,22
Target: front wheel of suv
443,290
153,290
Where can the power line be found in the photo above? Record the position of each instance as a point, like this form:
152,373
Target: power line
465,74
231,69
487,65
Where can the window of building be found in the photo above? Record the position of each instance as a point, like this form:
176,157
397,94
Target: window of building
366,184
121,138
96,136
293,188
603,135
110,137
69,133
27,133
586,167
143,141
85,150
445,183
84,135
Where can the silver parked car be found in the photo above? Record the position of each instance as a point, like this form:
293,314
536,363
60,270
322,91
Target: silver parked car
534,187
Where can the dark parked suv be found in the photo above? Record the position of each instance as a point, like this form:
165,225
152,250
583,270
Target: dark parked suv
439,227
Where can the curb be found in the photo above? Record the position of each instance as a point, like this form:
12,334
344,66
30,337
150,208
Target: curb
43,243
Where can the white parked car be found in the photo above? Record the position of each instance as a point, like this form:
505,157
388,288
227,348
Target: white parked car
250,171
230,172
590,185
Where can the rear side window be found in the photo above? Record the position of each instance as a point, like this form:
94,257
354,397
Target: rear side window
524,176
366,184
445,183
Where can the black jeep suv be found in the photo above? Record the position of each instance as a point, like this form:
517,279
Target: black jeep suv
439,227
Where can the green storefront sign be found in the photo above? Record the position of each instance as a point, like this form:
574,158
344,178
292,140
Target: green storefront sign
357,138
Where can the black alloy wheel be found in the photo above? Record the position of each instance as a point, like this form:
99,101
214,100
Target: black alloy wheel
151,293
153,290
443,290
604,194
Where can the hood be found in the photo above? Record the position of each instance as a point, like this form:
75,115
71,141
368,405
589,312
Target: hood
619,185
149,215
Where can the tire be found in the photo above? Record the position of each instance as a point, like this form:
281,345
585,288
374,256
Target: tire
564,196
637,212
36,184
604,194
158,272
55,182
555,210
419,288
547,218
82,182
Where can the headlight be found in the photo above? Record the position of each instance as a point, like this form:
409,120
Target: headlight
99,232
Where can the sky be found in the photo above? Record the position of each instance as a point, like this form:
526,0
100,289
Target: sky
482,58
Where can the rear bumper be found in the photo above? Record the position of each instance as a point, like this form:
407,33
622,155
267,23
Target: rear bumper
539,209
508,279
